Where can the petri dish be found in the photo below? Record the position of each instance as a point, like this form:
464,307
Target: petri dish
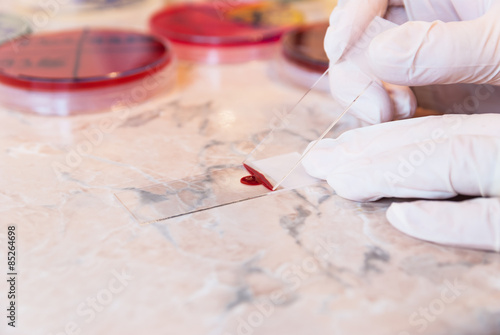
12,27
303,58
83,71
225,32
78,5
304,47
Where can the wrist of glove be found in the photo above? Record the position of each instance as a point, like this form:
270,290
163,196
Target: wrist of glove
430,158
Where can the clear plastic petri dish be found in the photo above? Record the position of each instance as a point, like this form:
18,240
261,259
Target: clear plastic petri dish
76,5
83,71
303,58
225,32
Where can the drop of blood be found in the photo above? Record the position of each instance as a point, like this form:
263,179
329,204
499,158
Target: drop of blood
250,180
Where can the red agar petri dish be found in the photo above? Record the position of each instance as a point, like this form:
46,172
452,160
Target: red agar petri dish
82,71
303,58
304,47
223,32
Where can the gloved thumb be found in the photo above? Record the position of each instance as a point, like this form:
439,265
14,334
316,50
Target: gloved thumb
472,223
421,53
348,23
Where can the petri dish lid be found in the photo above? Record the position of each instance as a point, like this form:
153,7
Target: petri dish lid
82,5
304,47
225,24
101,4
12,27
81,59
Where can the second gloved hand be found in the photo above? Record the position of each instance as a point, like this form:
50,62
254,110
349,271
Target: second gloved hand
430,158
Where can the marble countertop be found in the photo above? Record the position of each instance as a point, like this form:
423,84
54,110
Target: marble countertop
298,262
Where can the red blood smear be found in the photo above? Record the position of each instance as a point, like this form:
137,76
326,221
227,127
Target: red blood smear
204,24
81,59
259,177
250,180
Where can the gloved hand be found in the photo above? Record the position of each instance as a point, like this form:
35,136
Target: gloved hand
434,157
417,53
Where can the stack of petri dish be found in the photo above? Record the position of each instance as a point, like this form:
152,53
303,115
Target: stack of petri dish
303,59
225,32
83,71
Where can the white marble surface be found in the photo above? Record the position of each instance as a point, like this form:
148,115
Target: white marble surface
299,262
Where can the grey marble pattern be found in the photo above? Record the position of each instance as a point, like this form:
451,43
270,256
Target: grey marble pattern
298,262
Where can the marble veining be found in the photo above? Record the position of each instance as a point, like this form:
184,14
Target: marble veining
299,262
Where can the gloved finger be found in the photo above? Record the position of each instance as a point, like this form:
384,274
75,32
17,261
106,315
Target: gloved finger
350,76
425,53
432,157
374,141
403,100
472,223
381,102
347,81
445,10
460,165
348,22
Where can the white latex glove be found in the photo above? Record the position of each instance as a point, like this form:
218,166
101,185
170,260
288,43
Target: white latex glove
417,53
432,158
